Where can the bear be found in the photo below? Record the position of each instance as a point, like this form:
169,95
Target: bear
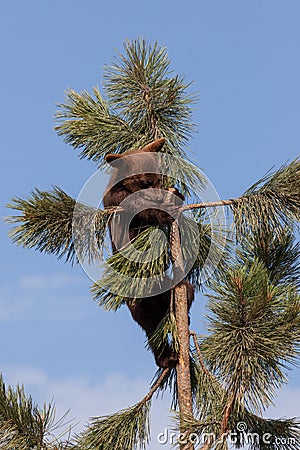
149,312
136,185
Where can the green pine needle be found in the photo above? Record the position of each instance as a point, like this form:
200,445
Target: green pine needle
145,101
25,426
203,244
86,122
134,272
141,86
254,333
279,252
181,173
52,222
170,382
271,203
165,331
125,430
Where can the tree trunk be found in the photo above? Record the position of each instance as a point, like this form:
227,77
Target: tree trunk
181,315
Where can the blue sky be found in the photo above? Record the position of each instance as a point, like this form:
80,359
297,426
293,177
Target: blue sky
244,60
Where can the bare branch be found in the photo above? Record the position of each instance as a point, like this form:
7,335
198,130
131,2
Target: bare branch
155,386
202,364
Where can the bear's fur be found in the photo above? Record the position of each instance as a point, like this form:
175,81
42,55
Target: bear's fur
149,312
137,171
140,172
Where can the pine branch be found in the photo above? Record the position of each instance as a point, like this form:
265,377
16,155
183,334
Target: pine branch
208,398
139,85
204,205
23,425
135,272
192,427
258,433
170,383
199,355
254,333
205,243
156,385
10,439
270,205
87,123
212,399
278,252
52,222
127,429
144,102
124,430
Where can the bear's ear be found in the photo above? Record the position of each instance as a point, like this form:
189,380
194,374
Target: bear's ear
154,146
111,157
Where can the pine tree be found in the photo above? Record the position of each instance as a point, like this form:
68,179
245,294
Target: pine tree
229,376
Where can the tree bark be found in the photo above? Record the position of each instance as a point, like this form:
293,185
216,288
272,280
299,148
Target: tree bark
181,315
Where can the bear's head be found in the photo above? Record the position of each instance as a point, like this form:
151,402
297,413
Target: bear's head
136,169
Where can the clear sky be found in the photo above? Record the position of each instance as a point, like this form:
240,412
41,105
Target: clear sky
244,59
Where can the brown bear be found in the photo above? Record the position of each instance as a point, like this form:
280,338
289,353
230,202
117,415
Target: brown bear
149,312
137,171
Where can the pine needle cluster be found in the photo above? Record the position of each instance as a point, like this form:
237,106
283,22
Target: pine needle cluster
165,332
142,88
26,426
127,429
145,101
134,272
259,325
53,222
85,122
280,254
271,203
